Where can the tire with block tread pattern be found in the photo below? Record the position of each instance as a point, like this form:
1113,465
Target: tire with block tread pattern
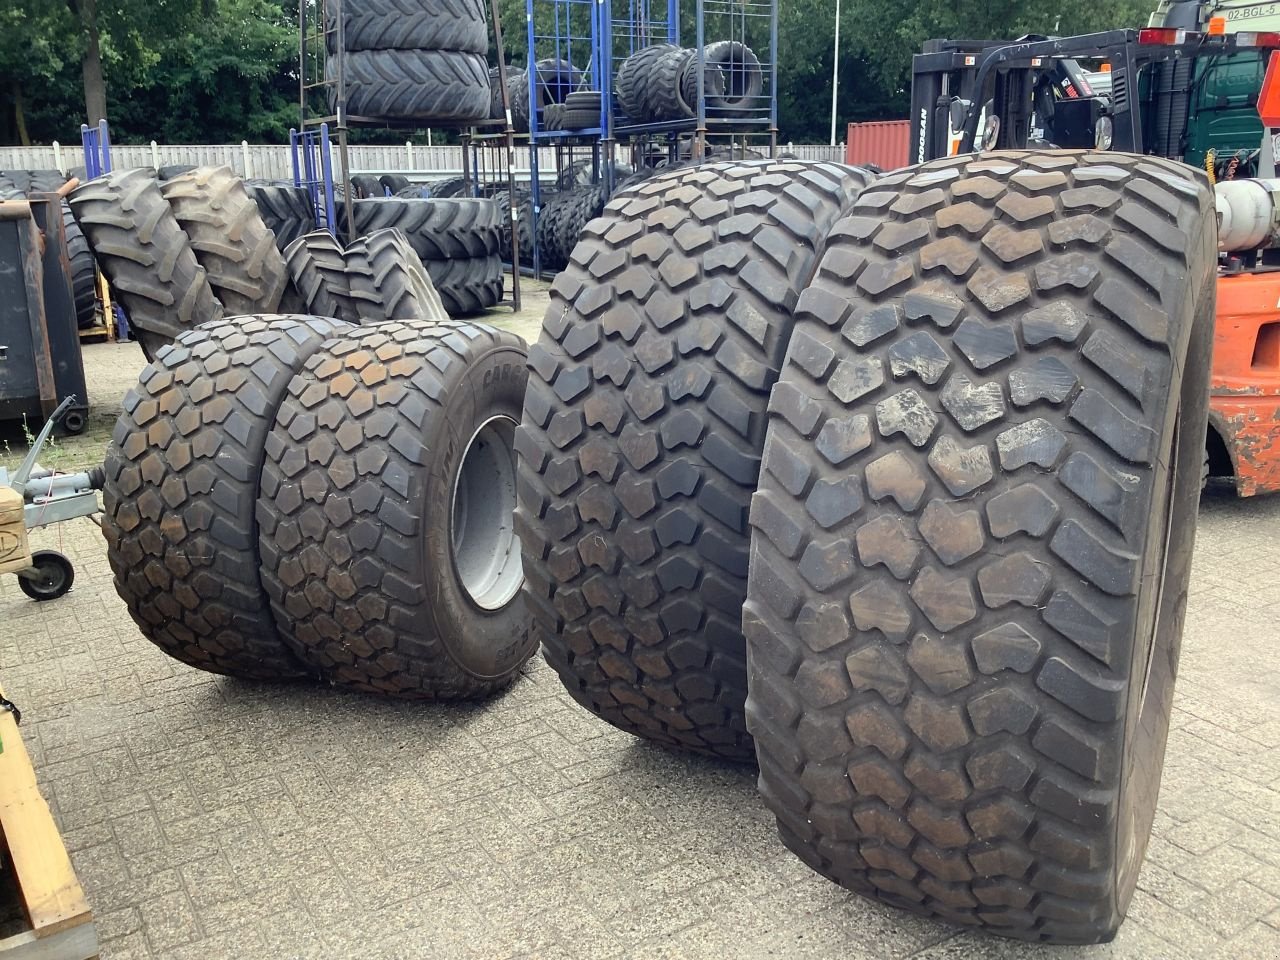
410,25
634,77
642,432
230,239
973,532
388,282
182,473
387,546
146,256
318,270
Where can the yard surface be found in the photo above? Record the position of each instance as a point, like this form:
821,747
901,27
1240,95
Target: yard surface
211,818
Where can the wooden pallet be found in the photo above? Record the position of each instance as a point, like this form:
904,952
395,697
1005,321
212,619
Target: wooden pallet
60,925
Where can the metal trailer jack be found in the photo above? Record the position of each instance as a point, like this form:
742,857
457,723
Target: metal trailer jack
37,497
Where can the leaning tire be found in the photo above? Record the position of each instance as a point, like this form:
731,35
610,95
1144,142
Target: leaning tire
416,84
358,514
387,280
642,432
230,239
318,269
450,229
286,209
410,25
182,473
467,287
84,272
145,255
989,426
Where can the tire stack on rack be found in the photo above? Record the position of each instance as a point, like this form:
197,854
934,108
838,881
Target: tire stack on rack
294,497
23,183
554,82
412,59
889,485
660,83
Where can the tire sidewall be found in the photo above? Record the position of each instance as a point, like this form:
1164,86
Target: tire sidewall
487,644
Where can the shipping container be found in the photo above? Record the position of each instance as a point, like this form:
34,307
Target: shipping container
886,144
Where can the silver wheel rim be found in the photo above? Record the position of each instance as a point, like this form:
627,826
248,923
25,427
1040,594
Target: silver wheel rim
482,536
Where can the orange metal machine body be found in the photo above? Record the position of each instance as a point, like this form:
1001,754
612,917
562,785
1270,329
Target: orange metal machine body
1244,405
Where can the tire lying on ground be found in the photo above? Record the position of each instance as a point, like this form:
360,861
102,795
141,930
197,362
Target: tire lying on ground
449,229
416,84
182,473
410,25
469,286
973,534
286,209
145,255
386,536
230,239
387,280
642,432
366,185
393,183
318,270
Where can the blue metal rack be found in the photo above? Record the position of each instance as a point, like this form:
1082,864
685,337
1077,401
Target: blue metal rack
96,142
313,169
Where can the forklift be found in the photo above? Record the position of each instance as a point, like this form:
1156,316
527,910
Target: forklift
1189,87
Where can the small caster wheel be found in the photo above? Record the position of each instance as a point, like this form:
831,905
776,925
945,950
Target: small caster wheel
51,576
75,422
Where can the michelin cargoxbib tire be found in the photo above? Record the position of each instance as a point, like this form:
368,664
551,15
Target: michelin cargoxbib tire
410,25
973,534
230,239
642,433
417,84
387,544
452,229
182,473
146,256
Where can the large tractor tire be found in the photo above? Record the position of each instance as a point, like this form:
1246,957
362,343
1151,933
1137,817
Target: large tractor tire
286,209
973,535
642,433
84,271
146,256
387,280
467,287
634,76
387,540
230,239
416,84
182,473
318,269
438,229
410,25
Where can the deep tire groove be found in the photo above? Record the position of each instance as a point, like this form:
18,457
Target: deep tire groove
318,268
417,84
947,639
286,209
182,473
411,25
387,280
145,255
642,432
467,287
438,229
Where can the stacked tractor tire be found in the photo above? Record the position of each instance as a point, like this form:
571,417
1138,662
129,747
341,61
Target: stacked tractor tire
196,247
890,486
18,184
296,497
412,59
660,83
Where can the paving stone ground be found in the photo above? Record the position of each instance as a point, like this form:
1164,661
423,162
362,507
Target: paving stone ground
211,818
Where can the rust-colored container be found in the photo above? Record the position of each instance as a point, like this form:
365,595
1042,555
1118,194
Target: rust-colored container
887,144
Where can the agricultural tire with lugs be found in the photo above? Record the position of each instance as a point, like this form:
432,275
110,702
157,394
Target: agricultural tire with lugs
318,270
973,533
387,280
410,25
642,432
416,84
451,229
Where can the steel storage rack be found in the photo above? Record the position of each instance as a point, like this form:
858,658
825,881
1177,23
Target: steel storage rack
323,73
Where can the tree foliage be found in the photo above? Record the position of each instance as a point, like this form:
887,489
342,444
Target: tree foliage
225,70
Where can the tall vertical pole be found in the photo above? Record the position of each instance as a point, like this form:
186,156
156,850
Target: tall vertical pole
835,74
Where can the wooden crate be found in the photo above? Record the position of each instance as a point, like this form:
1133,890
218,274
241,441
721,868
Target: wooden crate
59,922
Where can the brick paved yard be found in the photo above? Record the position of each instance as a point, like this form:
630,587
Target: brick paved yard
211,818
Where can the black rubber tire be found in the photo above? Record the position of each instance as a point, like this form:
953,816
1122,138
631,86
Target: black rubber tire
393,183
387,280
84,271
634,75
662,99
449,229
518,95
356,513
713,82
556,79
410,25
181,486
467,287
416,84
451,188
581,110
553,117
286,209
968,452
415,191
365,185
641,437
318,269
172,170
230,239
741,87
140,246
56,577
524,226
563,218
